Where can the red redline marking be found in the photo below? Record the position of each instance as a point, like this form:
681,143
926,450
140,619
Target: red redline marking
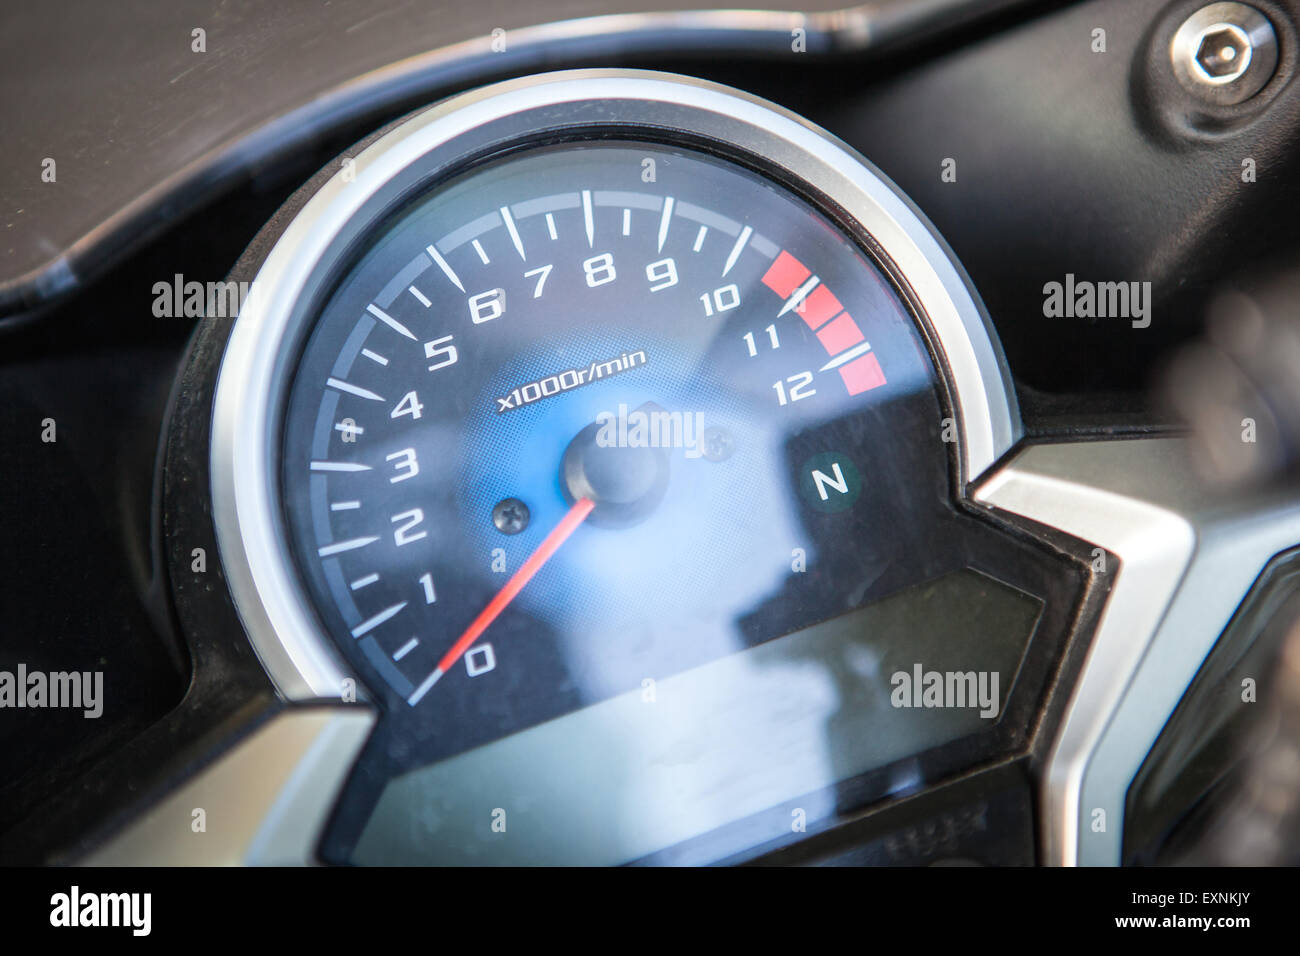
819,307
823,313
785,274
862,374
840,334
559,534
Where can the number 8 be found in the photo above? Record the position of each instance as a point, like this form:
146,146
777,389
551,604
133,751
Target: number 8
599,269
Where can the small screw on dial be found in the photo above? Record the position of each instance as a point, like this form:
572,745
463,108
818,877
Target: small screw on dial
510,515
717,444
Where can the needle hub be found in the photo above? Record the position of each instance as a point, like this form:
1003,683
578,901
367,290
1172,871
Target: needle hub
625,484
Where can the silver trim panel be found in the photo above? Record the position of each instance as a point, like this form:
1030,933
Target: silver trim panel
264,802
256,365
1187,561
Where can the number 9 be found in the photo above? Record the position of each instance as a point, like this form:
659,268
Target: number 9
661,274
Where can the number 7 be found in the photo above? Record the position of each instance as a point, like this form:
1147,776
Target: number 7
544,271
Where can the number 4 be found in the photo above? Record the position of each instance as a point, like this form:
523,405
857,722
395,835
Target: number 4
409,405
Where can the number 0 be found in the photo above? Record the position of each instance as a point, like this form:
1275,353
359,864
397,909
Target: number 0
480,660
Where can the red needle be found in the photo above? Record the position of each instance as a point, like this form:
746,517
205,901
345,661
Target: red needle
559,534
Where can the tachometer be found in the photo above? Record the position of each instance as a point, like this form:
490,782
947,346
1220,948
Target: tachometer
585,411
596,420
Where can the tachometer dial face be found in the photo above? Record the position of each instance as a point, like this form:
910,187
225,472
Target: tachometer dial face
595,414
593,424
